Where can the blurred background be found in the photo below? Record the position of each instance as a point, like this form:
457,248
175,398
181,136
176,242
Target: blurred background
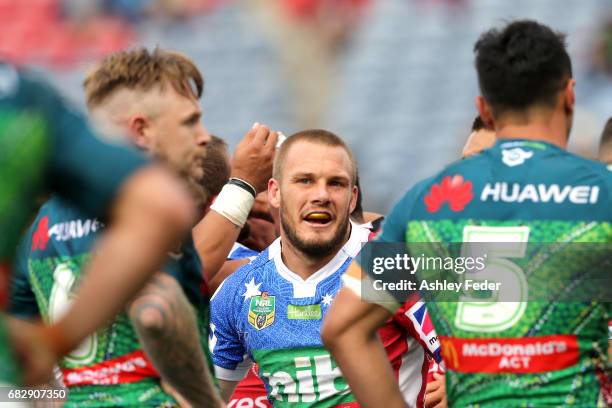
395,78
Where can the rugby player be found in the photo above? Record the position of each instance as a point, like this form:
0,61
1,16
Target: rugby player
557,349
148,94
48,147
272,308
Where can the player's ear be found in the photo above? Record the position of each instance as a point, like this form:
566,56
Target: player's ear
353,203
485,111
569,97
138,126
274,193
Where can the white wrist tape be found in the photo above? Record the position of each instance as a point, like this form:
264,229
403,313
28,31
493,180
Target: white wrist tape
234,203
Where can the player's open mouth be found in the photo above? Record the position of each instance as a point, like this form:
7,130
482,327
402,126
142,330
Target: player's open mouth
318,218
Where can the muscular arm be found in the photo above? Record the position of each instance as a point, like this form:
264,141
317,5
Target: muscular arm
213,238
152,208
227,389
350,330
166,326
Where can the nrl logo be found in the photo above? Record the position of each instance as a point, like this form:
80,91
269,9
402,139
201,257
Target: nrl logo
515,157
262,310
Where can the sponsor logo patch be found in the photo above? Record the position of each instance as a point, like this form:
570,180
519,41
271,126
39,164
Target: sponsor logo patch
510,355
63,231
262,310
305,312
539,193
40,237
453,190
515,157
128,368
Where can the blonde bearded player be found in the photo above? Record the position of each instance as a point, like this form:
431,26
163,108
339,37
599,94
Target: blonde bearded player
304,177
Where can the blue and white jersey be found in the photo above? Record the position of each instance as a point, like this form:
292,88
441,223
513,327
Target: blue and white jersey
267,314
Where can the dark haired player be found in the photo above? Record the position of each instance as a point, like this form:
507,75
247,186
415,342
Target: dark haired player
554,352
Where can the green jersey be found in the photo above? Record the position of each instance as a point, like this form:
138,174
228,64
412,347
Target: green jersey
533,353
109,368
45,147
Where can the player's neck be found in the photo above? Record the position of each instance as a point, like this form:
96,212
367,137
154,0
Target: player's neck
551,129
302,264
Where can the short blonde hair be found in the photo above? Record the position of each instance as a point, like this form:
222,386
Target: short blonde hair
140,69
317,136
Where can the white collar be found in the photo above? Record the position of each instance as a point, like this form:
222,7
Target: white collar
307,287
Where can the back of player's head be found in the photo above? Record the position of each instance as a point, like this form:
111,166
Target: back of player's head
605,143
525,64
216,166
317,136
142,70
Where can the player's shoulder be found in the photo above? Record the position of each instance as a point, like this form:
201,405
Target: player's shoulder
10,81
63,214
261,265
21,87
61,228
240,251
405,204
595,170
60,208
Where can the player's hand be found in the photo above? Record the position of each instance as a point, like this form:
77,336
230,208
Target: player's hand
252,161
33,351
435,392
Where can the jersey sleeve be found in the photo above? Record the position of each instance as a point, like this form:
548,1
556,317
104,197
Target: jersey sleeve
81,167
22,301
414,318
226,344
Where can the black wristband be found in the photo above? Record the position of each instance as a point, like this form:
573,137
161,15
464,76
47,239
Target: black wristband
243,185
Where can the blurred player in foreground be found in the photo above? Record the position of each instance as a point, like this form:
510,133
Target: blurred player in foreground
553,352
146,99
314,188
47,147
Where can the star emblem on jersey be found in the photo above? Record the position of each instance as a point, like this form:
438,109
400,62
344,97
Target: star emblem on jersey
252,289
453,190
327,299
262,310
515,157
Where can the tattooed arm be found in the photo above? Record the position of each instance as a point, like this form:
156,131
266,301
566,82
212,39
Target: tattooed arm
166,325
